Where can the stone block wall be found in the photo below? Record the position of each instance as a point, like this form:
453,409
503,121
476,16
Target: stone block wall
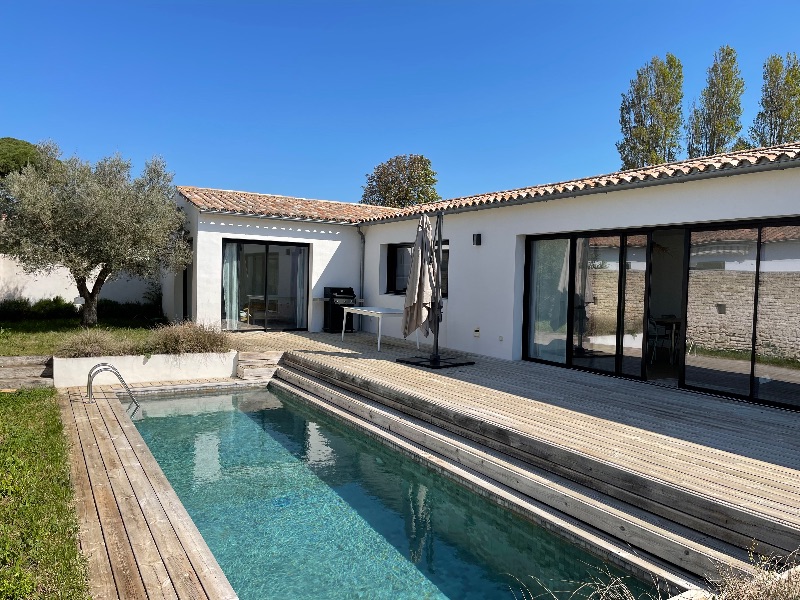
710,292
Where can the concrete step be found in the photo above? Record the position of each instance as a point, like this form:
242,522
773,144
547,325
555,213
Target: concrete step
20,361
651,536
25,382
726,522
25,371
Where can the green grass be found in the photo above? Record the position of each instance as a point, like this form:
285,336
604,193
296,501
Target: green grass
44,337
39,556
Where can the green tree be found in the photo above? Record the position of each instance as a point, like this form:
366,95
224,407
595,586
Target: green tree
715,122
15,154
401,181
96,221
650,114
778,121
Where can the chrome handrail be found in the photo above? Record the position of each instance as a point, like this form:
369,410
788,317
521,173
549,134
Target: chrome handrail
100,368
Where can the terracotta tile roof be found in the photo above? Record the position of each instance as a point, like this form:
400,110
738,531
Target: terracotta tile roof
246,203
268,205
730,162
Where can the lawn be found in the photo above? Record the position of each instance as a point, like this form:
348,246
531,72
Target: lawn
39,556
43,337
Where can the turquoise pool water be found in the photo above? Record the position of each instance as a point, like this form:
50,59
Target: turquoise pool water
294,504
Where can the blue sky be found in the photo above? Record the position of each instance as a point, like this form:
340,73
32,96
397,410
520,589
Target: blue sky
304,98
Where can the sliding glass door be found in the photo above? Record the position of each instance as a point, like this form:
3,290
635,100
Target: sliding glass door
595,306
715,309
720,305
549,289
264,286
777,351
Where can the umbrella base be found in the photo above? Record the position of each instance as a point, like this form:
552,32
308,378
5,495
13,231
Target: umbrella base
430,363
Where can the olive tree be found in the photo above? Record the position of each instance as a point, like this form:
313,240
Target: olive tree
95,221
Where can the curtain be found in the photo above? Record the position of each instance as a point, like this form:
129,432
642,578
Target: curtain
300,267
230,287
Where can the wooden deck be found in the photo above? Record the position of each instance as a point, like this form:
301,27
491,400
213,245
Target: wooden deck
141,543
694,457
137,537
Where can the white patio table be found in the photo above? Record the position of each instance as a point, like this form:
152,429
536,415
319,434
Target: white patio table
373,311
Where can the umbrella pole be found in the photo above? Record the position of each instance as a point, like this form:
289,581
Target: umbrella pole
437,291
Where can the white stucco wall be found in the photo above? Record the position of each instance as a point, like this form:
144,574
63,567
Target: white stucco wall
15,283
334,258
486,282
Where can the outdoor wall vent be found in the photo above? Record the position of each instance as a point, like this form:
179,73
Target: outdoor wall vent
476,239
721,308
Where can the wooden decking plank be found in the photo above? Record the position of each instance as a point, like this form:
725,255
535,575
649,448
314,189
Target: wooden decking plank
205,566
625,439
596,447
93,547
181,571
154,573
128,581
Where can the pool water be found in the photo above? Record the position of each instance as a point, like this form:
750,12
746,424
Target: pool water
295,504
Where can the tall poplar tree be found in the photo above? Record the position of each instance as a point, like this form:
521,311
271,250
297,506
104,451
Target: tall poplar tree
715,122
778,121
650,114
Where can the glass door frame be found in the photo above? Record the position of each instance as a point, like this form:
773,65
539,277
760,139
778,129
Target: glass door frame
269,243
689,228
622,234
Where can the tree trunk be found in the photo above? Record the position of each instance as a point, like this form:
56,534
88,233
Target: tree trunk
89,315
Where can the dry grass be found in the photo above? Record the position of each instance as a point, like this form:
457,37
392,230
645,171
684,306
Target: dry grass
167,339
186,337
773,579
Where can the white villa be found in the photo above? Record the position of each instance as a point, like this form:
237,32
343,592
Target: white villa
687,273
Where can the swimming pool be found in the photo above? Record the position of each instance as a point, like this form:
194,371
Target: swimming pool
295,504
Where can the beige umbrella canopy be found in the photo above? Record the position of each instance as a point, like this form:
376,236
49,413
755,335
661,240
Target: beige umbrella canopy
418,310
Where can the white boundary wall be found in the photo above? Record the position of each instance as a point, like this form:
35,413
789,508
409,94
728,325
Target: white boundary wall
15,283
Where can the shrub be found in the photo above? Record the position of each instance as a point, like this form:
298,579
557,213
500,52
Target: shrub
53,308
94,342
186,337
14,309
128,310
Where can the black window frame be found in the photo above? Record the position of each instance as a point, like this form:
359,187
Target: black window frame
391,267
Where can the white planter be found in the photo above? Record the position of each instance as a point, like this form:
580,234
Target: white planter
69,372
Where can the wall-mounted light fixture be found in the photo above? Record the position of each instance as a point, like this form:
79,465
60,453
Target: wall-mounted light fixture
476,239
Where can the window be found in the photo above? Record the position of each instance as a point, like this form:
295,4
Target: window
398,265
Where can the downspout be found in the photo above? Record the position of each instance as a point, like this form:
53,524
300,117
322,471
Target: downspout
363,253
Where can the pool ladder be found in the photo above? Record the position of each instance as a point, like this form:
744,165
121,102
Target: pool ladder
103,367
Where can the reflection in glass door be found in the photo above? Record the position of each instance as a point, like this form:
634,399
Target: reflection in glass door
287,287
635,261
549,290
777,368
721,294
594,333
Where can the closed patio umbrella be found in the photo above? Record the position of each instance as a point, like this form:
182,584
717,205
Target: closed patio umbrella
418,309
423,306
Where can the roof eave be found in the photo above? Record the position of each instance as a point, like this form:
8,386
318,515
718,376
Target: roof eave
777,165
233,213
